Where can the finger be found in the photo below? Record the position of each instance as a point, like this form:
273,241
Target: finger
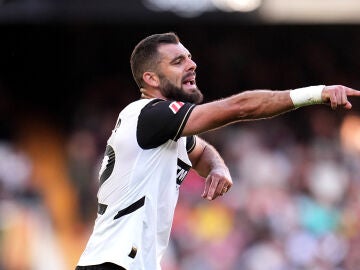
224,186
352,92
333,100
348,105
227,184
206,188
343,98
212,189
229,187
221,188
224,190
337,99
344,101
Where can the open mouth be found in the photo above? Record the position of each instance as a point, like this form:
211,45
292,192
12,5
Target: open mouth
189,79
189,82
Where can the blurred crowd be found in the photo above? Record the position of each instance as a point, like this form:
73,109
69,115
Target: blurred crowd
295,202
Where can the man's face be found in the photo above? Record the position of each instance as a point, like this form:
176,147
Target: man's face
177,75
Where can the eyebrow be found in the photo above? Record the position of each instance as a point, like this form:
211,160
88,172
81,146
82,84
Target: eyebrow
182,56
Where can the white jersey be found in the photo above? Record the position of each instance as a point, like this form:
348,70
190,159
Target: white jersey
145,162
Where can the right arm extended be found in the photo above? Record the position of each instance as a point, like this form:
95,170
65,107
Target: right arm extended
257,104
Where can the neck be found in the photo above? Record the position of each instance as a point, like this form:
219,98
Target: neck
150,93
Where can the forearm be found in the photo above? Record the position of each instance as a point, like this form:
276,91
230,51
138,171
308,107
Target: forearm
209,164
206,159
259,104
277,102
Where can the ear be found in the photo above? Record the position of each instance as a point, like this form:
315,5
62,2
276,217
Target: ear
151,79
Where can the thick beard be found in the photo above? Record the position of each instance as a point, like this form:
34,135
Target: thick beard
172,92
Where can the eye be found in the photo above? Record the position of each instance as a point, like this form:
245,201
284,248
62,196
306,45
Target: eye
178,61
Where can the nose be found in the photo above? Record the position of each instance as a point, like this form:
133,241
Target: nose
191,65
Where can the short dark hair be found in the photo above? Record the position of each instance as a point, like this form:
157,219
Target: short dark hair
145,54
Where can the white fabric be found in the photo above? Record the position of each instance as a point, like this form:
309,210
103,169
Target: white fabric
137,173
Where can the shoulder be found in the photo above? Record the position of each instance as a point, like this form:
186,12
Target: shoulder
138,104
166,108
161,120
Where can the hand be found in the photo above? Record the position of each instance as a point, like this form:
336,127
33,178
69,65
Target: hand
337,96
217,183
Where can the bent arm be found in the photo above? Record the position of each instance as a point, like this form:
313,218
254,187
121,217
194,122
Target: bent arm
209,164
205,158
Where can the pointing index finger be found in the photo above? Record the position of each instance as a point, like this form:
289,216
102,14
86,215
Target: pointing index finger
352,92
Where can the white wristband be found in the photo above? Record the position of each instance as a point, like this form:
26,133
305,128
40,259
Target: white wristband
306,95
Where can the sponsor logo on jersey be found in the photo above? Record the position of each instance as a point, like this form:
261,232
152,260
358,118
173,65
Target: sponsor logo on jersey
182,171
175,106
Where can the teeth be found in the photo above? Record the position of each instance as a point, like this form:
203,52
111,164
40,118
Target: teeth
189,82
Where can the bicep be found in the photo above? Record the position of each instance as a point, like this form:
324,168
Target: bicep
208,116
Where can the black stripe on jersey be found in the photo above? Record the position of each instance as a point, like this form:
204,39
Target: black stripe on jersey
133,252
103,266
157,123
101,208
190,143
110,154
182,125
131,208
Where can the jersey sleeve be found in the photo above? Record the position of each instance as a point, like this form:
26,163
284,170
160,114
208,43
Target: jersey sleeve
190,143
161,120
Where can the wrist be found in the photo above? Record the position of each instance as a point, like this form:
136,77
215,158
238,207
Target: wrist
220,169
307,95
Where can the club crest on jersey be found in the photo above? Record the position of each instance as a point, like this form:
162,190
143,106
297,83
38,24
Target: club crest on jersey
175,106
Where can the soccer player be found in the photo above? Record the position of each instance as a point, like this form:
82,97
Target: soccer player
154,144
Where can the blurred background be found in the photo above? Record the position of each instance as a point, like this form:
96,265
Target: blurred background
65,75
